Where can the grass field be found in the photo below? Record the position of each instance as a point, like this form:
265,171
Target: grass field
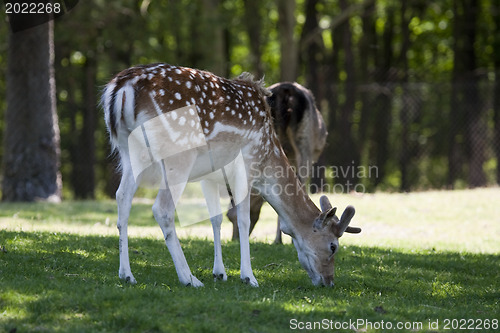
424,262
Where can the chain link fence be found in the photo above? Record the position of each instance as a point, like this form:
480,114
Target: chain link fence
414,136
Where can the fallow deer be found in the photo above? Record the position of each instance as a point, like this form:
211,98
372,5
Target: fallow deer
302,133
234,121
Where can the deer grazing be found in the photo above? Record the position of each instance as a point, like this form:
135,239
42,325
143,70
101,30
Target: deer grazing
302,134
207,122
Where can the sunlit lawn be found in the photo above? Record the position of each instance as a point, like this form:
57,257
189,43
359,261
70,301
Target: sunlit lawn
421,257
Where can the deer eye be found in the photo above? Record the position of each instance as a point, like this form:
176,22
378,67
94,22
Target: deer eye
333,248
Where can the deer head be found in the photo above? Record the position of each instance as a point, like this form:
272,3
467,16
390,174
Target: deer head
317,248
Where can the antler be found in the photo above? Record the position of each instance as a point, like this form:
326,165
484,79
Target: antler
327,217
345,219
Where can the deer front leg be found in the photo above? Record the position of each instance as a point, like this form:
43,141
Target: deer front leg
164,213
211,193
243,213
124,196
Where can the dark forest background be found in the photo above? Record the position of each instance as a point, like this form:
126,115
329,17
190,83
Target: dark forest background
411,87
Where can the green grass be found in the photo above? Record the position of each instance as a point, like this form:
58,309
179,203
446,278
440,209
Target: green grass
421,257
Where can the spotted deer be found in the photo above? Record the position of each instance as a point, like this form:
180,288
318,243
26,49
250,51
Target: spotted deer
302,134
234,120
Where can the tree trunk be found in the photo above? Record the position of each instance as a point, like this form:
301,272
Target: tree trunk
367,57
211,39
465,99
84,175
496,102
455,116
347,154
253,23
382,105
312,50
31,142
476,127
407,106
288,47
333,87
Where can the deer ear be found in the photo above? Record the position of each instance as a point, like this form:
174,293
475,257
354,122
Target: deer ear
331,212
325,218
324,203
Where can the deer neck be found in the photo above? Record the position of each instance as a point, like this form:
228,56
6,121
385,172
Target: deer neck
280,187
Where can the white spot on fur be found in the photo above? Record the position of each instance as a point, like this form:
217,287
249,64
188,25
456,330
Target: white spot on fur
178,96
188,84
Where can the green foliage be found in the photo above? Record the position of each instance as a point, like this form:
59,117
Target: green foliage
118,34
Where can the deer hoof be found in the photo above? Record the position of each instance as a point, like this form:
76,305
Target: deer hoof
251,281
128,279
221,276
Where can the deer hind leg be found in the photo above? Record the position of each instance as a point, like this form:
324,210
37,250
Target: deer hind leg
211,193
256,202
164,213
124,196
243,211
175,173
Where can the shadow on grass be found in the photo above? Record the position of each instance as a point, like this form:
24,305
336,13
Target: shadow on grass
60,283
